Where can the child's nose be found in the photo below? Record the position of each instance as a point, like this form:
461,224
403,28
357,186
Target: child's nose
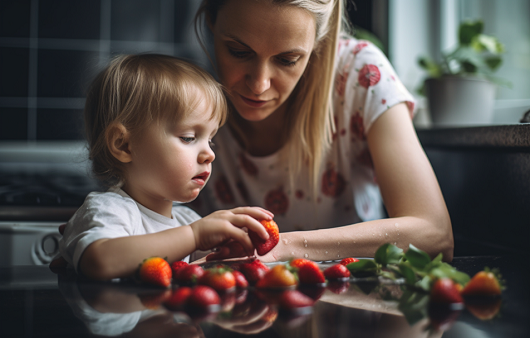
207,155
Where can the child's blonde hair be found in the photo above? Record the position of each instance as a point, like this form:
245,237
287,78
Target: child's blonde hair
310,126
137,90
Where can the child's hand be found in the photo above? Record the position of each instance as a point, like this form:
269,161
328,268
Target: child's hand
223,225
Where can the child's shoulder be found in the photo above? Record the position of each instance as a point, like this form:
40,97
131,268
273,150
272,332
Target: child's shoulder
111,200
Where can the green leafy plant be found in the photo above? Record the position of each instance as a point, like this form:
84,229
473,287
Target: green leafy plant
476,54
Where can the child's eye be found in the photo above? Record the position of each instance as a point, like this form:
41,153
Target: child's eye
187,139
212,145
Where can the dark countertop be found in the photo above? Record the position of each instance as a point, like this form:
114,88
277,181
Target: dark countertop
35,302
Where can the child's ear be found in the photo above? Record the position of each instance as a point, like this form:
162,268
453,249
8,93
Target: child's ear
118,142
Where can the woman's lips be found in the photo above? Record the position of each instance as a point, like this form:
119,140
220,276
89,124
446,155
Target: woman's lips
201,178
253,103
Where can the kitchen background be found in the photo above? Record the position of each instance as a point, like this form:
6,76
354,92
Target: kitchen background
51,49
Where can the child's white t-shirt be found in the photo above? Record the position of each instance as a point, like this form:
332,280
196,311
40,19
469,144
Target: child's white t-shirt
115,214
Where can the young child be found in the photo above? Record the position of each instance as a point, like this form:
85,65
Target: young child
149,123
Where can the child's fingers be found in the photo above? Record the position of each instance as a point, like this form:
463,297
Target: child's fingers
250,223
256,212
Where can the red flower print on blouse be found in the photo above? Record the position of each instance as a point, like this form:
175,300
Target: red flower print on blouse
247,165
365,158
383,101
223,191
332,182
358,47
357,127
369,75
299,194
276,201
340,83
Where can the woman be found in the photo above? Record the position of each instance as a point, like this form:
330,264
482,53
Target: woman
320,133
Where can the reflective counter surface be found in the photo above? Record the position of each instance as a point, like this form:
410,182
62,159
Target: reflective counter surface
35,302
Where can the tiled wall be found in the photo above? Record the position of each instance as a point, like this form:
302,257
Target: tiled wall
51,49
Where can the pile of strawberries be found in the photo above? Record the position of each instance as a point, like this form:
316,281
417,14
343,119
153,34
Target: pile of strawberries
292,286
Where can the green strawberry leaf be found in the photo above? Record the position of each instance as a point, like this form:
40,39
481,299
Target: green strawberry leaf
417,258
363,265
408,273
388,254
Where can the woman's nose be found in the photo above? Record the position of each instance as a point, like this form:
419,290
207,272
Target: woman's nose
259,78
206,155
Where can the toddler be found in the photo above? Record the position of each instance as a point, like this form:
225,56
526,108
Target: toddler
149,123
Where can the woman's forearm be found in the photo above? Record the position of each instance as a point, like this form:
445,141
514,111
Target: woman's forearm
119,257
363,239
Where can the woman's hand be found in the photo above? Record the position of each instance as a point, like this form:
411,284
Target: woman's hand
224,225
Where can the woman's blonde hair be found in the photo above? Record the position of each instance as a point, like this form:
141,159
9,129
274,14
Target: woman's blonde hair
137,90
310,124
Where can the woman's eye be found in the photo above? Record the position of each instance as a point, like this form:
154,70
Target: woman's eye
187,139
288,62
238,53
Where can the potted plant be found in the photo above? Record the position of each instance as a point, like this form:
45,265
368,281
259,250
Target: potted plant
460,88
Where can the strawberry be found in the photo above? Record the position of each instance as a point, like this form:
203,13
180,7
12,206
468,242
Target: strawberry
337,271
293,299
205,298
189,274
277,277
348,260
253,271
155,271
177,265
219,278
241,281
310,273
153,300
178,298
484,309
298,262
312,291
263,246
484,283
444,291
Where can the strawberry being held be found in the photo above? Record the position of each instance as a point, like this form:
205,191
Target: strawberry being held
155,271
264,246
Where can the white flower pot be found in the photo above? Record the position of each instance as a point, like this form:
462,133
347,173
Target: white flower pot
460,101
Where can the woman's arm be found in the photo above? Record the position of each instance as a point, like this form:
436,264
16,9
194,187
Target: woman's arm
411,194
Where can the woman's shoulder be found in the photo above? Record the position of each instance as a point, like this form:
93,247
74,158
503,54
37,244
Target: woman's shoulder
363,51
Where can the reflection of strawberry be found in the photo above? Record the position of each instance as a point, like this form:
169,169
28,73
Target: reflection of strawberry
276,278
253,271
484,283
178,298
219,279
155,271
310,273
189,274
484,309
444,291
293,299
338,287
263,246
241,281
337,271
204,297
177,265
348,260
153,300
312,291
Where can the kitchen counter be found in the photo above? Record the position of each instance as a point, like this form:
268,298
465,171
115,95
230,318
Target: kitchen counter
35,302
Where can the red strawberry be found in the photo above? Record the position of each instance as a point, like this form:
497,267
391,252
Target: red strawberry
276,278
178,298
484,283
310,273
253,271
298,262
337,271
263,246
177,265
293,299
204,297
484,309
189,274
348,260
444,291
155,271
218,278
241,281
